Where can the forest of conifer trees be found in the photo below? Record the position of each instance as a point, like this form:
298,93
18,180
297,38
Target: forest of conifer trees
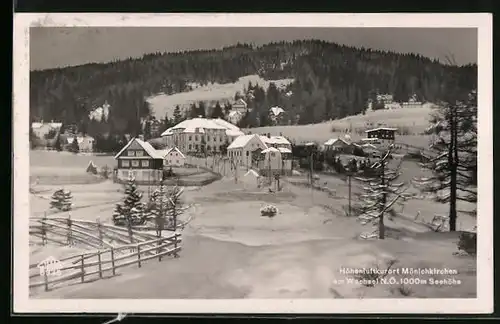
331,81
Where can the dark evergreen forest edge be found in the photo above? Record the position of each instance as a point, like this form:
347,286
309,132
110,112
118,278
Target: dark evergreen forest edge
331,81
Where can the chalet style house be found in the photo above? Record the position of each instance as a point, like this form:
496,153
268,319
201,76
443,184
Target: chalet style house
140,159
383,134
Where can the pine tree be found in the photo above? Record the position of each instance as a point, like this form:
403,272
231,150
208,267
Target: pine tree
177,115
147,130
193,111
380,194
57,144
166,207
201,110
454,166
74,147
130,211
217,111
61,200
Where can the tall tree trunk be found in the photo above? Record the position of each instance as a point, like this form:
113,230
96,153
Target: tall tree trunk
452,159
381,226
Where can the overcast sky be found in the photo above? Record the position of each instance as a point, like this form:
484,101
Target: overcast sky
65,46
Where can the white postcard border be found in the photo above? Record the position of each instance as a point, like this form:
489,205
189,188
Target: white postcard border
23,304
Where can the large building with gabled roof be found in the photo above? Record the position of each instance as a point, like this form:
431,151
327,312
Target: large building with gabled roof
198,134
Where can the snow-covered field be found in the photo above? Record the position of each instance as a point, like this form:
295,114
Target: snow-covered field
230,251
415,120
165,104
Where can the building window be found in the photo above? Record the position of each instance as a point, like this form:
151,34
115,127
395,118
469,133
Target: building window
125,163
130,153
273,154
145,163
176,161
196,137
220,148
248,153
189,146
125,174
197,147
135,163
139,153
208,147
190,138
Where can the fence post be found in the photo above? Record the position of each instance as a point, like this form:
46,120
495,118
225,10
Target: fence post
113,261
99,231
139,255
100,265
69,223
175,245
44,229
160,242
46,279
82,267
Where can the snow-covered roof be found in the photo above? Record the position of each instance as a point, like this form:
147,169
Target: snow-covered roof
234,113
55,125
36,125
241,141
369,146
252,173
173,149
202,124
240,102
332,141
270,149
381,128
145,145
284,150
79,139
277,110
275,140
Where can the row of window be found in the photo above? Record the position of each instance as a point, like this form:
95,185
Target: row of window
208,147
207,138
135,163
135,153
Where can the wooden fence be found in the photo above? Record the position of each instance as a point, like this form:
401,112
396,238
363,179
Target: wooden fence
104,263
67,231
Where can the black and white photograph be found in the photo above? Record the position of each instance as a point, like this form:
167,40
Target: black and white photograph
253,163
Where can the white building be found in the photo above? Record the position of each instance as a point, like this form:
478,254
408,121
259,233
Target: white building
413,102
249,151
85,143
241,149
235,116
192,135
240,105
173,157
40,129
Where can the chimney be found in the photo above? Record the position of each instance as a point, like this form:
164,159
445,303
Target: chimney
141,137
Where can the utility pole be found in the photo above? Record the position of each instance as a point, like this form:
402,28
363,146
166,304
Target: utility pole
311,168
349,176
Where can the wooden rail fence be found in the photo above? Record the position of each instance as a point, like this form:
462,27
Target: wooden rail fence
67,231
104,263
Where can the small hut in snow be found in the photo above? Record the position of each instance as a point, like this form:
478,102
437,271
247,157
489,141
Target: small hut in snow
91,168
